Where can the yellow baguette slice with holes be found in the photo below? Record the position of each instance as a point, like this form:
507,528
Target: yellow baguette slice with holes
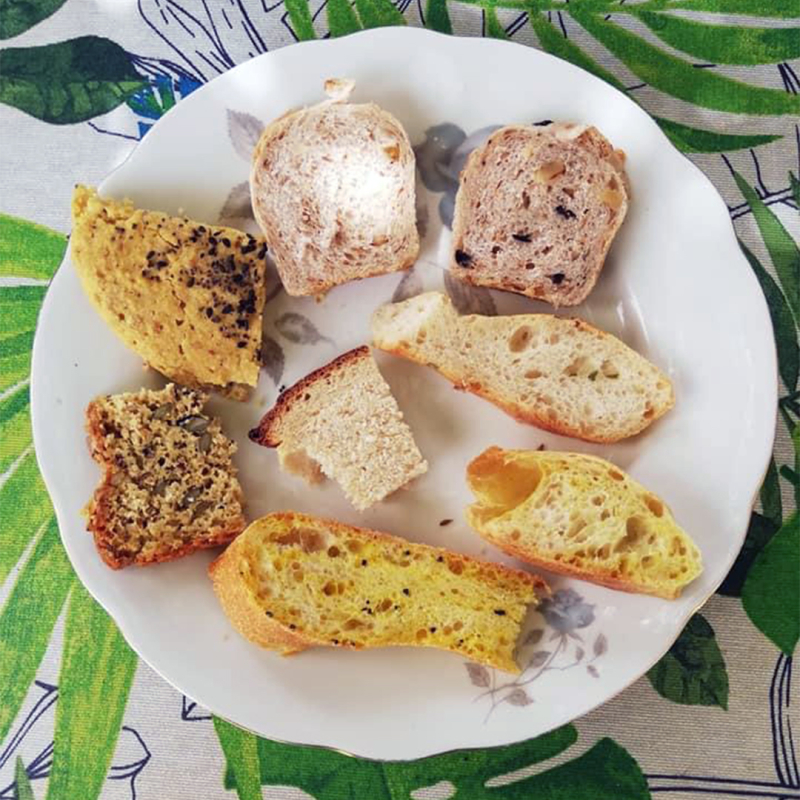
293,581
582,516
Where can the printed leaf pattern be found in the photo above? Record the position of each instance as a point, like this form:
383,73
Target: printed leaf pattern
342,18
782,322
24,790
783,250
272,358
244,130
16,17
410,286
771,592
237,203
298,329
97,670
241,753
759,533
695,140
478,674
469,299
69,81
693,672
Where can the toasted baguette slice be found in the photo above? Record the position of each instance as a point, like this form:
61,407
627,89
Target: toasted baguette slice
560,374
537,209
292,581
342,421
186,297
580,515
169,486
333,191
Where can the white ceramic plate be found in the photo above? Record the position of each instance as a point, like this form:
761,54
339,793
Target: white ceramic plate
676,288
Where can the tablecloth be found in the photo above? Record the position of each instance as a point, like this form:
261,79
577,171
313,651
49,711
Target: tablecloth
81,82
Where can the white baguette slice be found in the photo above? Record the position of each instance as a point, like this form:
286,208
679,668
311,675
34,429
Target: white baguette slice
559,374
342,421
537,209
332,188
582,516
293,581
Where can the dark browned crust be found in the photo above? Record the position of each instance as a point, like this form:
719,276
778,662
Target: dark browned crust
99,511
268,431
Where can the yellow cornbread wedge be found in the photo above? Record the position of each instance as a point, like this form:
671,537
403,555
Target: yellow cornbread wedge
186,297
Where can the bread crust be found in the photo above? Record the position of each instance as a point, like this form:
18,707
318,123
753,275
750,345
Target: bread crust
529,415
570,571
242,608
250,621
267,433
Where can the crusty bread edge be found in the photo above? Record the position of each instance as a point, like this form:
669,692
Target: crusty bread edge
97,516
267,433
526,415
248,618
243,611
568,570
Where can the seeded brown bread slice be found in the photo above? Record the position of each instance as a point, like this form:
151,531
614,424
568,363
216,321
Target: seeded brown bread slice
559,374
185,296
582,516
333,191
169,486
342,421
293,581
537,209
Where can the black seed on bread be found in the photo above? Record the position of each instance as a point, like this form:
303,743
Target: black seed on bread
537,209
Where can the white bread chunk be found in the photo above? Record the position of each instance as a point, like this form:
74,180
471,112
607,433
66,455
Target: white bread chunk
559,374
333,191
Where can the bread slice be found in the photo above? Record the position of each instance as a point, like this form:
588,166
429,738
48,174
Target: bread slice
292,581
560,374
169,486
537,209
185,296
341,421
582,516
333,191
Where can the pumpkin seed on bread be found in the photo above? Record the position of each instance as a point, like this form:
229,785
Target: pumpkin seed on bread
185,296
582,516
293,581
169,486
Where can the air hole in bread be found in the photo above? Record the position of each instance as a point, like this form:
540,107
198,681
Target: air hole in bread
616,475
333,551
533,374
654,504
635,531
520,339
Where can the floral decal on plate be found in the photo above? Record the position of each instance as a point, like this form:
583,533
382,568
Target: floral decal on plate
565,613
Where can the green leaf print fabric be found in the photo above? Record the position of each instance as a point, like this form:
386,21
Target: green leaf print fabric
81,718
